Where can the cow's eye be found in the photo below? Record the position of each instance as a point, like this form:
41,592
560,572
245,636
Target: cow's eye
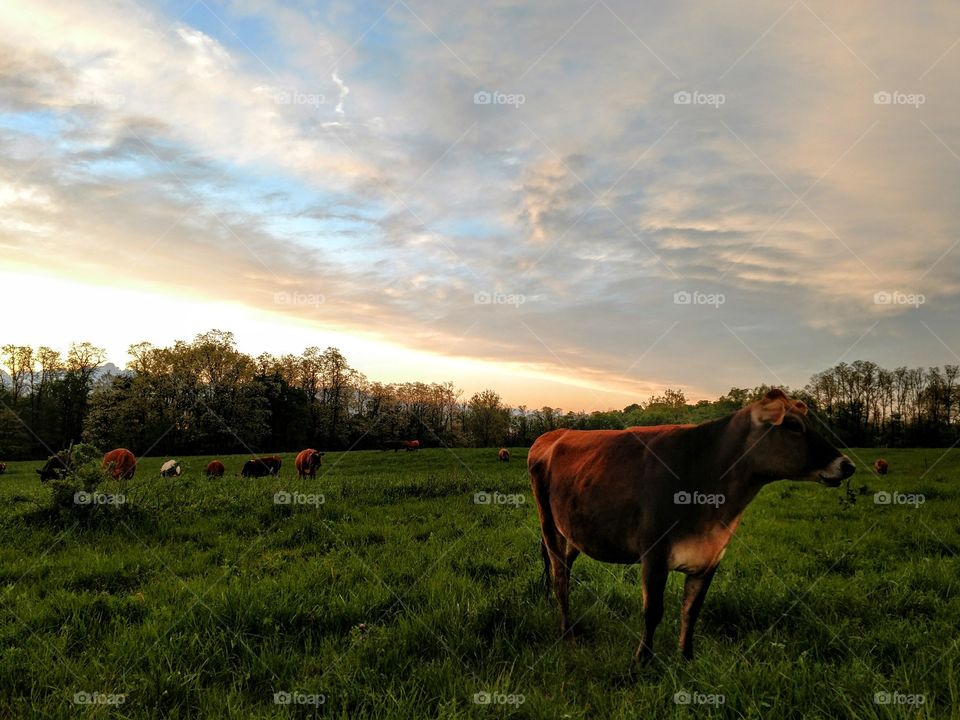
793,425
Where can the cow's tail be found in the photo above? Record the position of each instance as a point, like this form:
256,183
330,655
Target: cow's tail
546,577
539,486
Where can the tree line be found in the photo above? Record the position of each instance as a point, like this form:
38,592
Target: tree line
207,397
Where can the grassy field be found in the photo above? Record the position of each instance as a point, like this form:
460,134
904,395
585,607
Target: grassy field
385,590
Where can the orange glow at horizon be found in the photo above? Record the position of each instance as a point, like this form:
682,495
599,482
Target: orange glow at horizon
60,311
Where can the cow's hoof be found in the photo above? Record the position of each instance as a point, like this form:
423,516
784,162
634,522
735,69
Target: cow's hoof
643,656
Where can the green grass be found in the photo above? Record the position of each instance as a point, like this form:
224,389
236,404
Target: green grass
202,598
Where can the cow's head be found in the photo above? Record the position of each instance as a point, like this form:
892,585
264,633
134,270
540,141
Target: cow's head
784,444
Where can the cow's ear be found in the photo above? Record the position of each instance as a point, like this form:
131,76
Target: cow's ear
800,407
768,411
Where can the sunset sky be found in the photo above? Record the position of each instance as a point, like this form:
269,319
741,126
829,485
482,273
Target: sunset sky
333,174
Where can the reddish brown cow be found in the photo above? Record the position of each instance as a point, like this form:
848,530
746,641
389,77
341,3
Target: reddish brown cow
215,468
669,497
308,462
120,464
881,466
504,455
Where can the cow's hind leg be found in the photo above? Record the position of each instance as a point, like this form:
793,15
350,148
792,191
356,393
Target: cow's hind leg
654,582
563,587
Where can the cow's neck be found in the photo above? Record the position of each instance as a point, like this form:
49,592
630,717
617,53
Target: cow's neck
728,467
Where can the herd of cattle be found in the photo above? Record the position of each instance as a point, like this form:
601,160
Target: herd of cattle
669,496
121,464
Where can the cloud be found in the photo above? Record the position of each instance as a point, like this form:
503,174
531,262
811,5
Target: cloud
167,146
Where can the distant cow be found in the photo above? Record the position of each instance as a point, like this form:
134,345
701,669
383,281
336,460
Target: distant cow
261,467
120,464
308,462
881,466
3,468
504,455
400,445
171,468
669,496
56,467
215,468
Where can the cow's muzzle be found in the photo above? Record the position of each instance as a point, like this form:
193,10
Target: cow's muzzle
837,471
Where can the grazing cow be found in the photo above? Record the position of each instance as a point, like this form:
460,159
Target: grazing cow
881,466
56,467
171,468
3,468
261,467
400,445
669,497
308,462
504,455
215,468
120,464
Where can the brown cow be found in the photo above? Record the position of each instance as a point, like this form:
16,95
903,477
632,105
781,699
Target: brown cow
881,466
3,468
215,468
120,464
504,455
669,496
308,462
400,445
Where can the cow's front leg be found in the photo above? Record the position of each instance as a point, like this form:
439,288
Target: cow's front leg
654,581
694,591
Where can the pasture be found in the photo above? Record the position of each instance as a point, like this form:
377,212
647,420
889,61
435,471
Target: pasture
384,590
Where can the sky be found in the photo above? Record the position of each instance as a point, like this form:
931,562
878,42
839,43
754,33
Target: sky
578,204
